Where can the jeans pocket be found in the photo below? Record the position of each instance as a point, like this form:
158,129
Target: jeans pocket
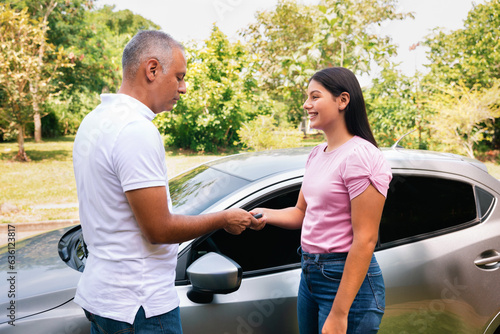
332,273
378,289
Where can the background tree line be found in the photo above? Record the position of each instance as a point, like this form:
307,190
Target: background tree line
56,57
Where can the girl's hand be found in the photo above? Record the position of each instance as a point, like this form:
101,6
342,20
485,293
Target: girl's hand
335,325
261,222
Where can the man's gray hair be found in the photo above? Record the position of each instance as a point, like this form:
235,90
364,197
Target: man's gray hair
148,44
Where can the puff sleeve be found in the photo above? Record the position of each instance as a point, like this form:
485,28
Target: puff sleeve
364,166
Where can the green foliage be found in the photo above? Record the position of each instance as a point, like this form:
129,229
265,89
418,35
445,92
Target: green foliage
92,41
461,115
69,112
219,97
263,133
97,48
96,52
28,69
394,108
470,55
295,40
64,22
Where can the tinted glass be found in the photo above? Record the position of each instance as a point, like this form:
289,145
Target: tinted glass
198,189
485,200
417,206
268,248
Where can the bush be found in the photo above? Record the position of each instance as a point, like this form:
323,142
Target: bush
50,126
262,133
9,134
65,115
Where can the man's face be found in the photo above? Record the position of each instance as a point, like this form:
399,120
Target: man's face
171,84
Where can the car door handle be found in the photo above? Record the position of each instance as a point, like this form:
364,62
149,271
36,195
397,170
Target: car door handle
489,259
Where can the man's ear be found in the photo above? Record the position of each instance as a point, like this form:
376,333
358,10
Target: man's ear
344,99
152,68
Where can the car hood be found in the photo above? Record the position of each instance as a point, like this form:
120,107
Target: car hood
37,279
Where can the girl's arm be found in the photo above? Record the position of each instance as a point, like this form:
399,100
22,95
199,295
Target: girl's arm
289,218
366,211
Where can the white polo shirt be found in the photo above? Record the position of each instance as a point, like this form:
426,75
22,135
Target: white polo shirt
117,149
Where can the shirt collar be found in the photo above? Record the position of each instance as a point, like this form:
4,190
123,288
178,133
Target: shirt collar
137,105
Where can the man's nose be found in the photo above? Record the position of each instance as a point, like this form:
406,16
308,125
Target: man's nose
182,87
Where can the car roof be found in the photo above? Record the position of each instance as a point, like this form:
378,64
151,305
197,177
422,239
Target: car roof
256,165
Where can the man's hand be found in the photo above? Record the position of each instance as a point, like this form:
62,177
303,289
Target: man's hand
261,220
238,220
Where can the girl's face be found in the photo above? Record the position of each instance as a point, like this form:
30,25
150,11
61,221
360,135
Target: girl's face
323,108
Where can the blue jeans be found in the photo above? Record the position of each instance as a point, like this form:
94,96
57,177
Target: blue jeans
168,323
320,279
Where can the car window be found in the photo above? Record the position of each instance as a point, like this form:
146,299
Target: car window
199,188
417,207
485,202
256,251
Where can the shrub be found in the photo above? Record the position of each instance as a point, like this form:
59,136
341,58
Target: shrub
262,133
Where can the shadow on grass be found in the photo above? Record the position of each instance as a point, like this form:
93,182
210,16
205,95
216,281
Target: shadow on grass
51,149
55,155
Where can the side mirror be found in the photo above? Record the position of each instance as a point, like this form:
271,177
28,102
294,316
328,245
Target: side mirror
72,248
213,273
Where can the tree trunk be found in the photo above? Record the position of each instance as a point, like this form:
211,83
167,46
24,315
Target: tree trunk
36,117
38,127
21,154
34,86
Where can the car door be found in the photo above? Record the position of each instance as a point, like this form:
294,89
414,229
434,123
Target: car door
437,232
266,299
434,229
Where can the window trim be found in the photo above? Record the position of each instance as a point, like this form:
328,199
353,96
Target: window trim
248,202
273,189
424,236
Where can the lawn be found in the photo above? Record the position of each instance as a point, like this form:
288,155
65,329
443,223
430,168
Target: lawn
44,189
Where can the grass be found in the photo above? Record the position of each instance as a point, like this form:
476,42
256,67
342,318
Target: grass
45,189
47,180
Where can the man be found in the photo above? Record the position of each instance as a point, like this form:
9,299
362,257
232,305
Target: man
125,208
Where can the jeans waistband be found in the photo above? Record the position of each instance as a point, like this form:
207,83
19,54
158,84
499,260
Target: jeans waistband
322,257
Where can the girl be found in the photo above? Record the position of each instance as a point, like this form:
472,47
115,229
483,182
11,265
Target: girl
339,209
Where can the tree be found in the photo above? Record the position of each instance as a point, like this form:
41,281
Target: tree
96,52
469,56
394,108
22,77
97,48
41,10
295,40
38,87
93,40
220,85
461,114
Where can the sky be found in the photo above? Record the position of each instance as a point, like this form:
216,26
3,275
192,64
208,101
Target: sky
193,19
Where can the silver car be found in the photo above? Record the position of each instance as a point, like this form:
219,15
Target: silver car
438,249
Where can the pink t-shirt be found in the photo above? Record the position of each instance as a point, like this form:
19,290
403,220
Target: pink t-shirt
331,181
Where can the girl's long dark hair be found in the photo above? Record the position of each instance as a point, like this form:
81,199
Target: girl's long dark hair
338,80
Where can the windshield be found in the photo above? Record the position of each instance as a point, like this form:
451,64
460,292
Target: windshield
196,190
